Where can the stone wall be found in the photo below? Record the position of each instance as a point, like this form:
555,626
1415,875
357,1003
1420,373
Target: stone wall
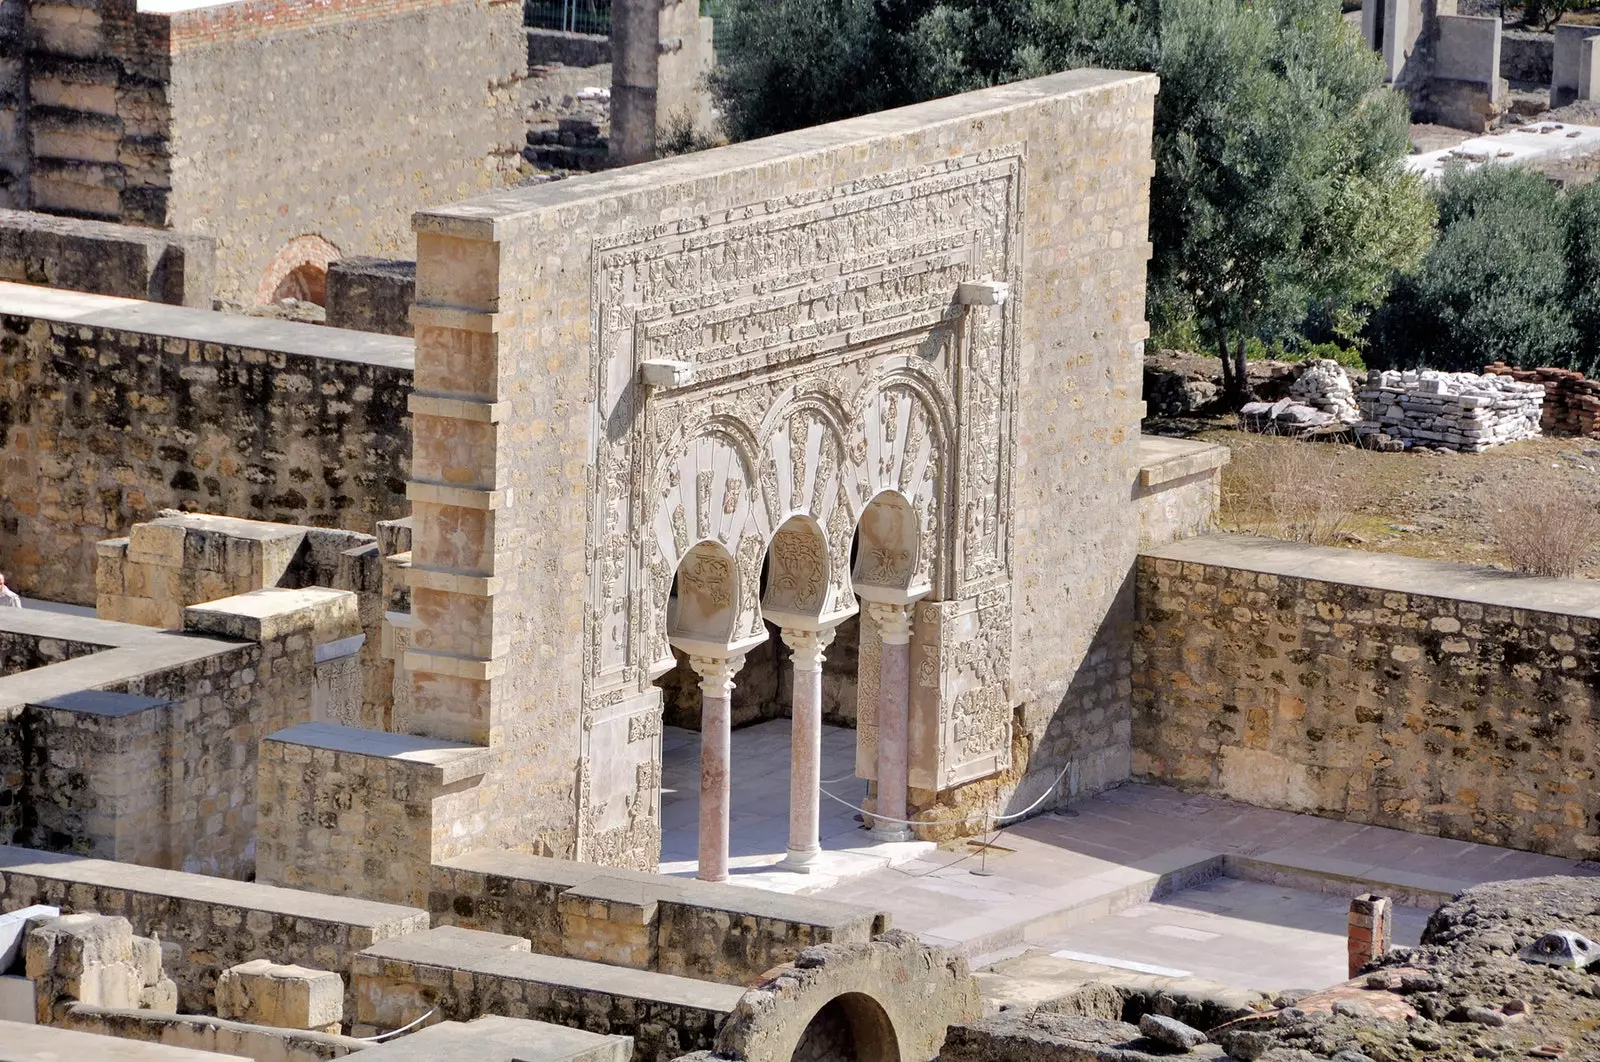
206,925
1526,56
145,752
397,126
24,650
111,411
1412,694
107,259
1179,488
372,295
13,106
640,920
522,522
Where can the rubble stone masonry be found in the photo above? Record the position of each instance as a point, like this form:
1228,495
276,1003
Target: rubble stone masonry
112,410
1413,694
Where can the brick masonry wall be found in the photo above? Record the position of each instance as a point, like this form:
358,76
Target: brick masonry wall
411,103
1415,708
101,428
207,925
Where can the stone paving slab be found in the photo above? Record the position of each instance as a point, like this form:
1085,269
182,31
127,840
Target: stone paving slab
1138,842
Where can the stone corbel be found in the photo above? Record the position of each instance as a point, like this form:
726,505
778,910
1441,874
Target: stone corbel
984,292
666,375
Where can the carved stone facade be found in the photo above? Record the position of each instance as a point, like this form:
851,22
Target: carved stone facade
638,391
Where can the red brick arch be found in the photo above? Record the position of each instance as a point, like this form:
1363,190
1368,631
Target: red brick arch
300,269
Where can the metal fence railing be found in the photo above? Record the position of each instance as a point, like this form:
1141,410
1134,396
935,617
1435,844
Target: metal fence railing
582,16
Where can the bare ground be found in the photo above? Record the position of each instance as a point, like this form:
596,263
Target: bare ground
1418,503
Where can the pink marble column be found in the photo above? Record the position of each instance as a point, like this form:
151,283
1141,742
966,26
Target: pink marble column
716,717
805,757
894,692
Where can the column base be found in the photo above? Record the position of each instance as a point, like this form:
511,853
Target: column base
721,879
801,862
889,832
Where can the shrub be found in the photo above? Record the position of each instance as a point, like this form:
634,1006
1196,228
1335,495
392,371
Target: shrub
1546,528
1290,489
1495,286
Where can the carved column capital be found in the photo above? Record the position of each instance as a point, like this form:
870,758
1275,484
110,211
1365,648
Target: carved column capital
716,673
806,647
894,622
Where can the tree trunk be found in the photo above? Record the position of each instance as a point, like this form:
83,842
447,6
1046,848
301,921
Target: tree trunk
1228,388
1241,377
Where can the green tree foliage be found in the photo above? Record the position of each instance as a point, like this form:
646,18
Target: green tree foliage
1278,192
1511,277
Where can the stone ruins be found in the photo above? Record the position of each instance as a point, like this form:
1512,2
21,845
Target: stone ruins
702,609
1452,410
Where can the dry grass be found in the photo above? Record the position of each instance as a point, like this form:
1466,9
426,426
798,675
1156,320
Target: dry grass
1546,528
1294,491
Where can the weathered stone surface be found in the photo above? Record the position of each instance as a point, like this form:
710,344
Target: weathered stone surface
107,259
1017,1036
286,996
372,294
1170,1032
1406,693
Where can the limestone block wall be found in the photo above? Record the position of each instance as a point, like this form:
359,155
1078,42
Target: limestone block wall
1179,488
111,411
206,925
1405,693
356,812
639,920
397,126
201,1032
520,542
106,258
13,105
372,294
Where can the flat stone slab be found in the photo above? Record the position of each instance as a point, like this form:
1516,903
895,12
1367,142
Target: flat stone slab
500,1039
446,951
1163,460
43,1043
100,702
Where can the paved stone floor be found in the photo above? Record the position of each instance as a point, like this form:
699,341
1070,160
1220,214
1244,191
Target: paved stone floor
758,831
1141,874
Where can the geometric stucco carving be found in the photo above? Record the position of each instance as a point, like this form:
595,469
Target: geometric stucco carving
838,385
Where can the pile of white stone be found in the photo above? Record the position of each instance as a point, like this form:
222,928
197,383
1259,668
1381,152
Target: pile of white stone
1320,401
1447,410
1325,386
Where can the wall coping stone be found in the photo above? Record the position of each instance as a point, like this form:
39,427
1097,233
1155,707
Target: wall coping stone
100,702
449,761
202,888
29,1043
273,612
1163,460
429,948
641,887
206,326
494,1038
498,216
1383,571
331,1043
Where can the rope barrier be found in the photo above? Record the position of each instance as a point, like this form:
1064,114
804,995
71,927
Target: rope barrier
996,819
404,1028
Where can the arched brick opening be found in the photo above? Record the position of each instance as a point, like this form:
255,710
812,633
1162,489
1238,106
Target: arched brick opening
299,270
849,1028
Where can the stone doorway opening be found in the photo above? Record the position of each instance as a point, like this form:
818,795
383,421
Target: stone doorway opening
849,1028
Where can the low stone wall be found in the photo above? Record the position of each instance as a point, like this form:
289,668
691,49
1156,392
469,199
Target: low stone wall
371,295
206,924
567,49
218,1035
145,751
112,410
107,259
1526,56
24,650
644,921
1407,693
1571,403
464,973
1179,488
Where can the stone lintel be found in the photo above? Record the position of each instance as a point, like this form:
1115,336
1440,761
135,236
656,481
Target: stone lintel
453,582
440,762
1163,460
466,667
462,318
474,409
461,497
263,615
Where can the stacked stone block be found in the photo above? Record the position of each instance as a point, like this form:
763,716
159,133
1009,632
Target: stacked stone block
371,295
1369,928
127,261
96,959
1448,410
284,996
1571,402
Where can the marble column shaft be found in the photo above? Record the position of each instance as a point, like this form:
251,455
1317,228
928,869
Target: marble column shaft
805,764
716,740
894,692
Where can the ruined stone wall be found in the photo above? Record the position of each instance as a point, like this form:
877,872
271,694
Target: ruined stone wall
105,258
24,650
13,105
102,426
1404,693
529,303
206,925
165,775
352,116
